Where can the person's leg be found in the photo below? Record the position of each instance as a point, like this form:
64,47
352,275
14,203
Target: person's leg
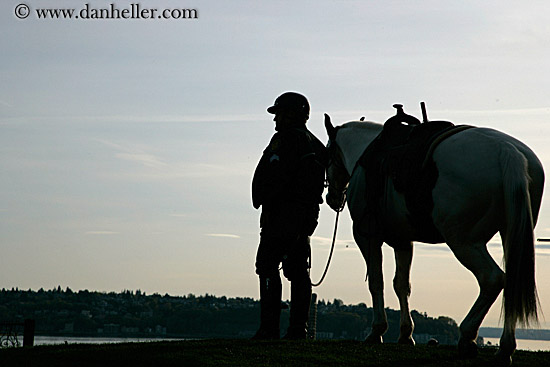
296,268
267,268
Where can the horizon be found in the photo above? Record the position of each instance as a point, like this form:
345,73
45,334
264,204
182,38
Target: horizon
128,146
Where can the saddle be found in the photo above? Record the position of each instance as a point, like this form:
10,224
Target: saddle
403,152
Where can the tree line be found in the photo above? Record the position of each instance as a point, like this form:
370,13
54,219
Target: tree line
134,313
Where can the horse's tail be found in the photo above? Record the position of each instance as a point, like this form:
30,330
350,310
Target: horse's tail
520,293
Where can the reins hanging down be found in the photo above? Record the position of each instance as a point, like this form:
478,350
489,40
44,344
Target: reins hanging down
332,246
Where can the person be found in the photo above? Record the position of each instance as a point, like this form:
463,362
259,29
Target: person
288,184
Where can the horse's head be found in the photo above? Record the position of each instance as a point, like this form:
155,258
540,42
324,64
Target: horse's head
337,174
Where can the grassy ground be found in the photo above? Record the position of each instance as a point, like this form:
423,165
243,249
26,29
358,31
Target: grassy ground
253,353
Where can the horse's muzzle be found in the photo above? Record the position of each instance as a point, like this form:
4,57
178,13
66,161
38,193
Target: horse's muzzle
335,201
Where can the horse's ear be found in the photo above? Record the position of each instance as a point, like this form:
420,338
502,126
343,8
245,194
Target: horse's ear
331,130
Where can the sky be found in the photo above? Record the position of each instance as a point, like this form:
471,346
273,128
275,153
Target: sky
128,145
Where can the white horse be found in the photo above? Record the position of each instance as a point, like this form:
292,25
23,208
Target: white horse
488,182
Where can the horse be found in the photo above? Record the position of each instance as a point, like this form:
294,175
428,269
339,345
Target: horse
487,182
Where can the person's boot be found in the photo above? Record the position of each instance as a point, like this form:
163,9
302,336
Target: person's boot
300,298
270,308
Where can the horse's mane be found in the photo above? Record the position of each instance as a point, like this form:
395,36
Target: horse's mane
369,125
359,130
354,136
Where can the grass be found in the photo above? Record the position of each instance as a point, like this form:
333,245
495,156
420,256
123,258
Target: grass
225,352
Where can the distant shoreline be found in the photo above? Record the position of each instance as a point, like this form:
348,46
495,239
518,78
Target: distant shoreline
57,339
72,339
525,334
60,339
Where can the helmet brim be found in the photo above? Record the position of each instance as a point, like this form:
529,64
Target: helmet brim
273,109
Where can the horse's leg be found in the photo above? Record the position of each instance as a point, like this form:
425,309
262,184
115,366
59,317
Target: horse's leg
402,287
507,345
372,252
490,278
376,288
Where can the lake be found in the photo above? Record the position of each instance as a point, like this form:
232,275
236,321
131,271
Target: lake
525,344
50,340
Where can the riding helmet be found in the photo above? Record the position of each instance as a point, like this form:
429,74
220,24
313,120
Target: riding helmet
291,101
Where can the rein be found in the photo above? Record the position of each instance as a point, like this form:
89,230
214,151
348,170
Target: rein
331,247
333,238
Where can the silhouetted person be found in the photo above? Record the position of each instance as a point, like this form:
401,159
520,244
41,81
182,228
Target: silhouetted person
288,184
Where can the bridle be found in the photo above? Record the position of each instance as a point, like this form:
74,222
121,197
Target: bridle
335,159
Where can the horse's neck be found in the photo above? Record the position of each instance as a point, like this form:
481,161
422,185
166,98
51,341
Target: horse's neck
353,138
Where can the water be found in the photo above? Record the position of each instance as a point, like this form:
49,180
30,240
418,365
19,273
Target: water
524,344
51,340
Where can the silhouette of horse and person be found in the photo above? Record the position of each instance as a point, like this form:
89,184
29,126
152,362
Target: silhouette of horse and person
405,181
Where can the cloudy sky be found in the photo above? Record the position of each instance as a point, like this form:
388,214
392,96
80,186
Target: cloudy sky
128,146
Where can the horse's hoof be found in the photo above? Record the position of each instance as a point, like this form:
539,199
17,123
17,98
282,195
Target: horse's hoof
467,349
373,339
501,359
406,341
